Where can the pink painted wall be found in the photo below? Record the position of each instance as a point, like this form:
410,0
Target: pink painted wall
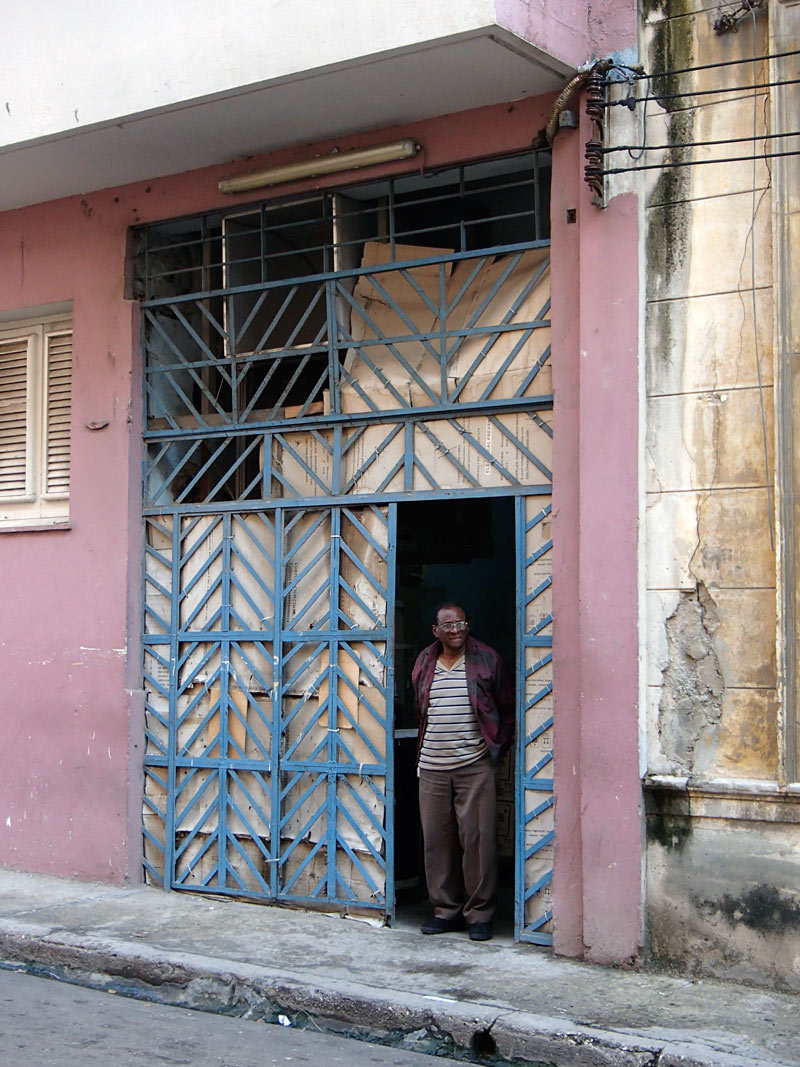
595,311
65,709
567,195
70,698
560,30
573,30
70,704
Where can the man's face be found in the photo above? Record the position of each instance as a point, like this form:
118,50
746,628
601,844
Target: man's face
451,628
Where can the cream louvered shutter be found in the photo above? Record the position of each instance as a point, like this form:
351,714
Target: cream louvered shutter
14,418
58,388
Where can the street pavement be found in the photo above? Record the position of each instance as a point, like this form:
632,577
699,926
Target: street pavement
52,1024
443,995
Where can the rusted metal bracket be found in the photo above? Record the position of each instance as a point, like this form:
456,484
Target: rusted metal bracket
729,20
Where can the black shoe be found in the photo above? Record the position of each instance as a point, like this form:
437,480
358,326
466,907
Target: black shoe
480,931
443,926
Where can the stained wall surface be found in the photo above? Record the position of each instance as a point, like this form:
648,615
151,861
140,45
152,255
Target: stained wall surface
718,818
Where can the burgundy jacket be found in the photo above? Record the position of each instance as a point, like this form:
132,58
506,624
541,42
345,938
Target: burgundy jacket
490,692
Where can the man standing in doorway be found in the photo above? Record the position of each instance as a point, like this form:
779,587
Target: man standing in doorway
465,703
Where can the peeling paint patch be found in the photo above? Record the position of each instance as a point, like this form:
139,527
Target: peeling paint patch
691,699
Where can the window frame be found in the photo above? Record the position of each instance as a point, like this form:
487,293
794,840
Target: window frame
37,506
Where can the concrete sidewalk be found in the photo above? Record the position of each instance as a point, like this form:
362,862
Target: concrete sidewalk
442,993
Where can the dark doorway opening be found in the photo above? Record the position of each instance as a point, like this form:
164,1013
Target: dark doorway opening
462,550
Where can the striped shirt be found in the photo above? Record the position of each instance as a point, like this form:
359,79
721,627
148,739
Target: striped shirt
452,736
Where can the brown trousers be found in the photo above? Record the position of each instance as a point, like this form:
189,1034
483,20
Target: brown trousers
458,811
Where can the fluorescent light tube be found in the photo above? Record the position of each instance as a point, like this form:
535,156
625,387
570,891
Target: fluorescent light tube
334,163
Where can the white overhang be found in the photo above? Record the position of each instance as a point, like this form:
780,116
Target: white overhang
485,66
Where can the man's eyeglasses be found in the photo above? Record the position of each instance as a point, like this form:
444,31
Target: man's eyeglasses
452,627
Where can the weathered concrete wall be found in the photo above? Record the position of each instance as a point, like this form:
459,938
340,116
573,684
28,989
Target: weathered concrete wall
722,872
712,707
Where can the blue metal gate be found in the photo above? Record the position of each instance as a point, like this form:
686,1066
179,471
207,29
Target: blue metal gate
286,419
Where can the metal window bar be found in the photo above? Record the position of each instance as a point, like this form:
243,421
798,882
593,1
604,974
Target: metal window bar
174,252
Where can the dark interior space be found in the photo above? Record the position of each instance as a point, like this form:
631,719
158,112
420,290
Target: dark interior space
461,550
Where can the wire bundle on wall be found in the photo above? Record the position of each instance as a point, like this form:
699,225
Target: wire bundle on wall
595,151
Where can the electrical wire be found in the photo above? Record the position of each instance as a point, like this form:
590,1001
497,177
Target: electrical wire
699,162
722,63
631,102
696,144
636,152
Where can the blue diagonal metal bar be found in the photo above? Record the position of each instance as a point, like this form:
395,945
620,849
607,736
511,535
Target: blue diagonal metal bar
232,873
364,357
355,860
255,672
284,441
408,276
535,369
480,264
357,599
254,310
383,656
195,336
199,667
372,458
212,320
446,452
539,885
539,552
185,457
255,443
303,610
192,803
204,469
213,588
491,460
540,808
191,369
539,766
313,653
351,272
305,863
542,728
543,842
305,829
312,783
522,448
505,366
205,527
188,870
415,333
369,817
181,362
488,297
353,518
362,346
